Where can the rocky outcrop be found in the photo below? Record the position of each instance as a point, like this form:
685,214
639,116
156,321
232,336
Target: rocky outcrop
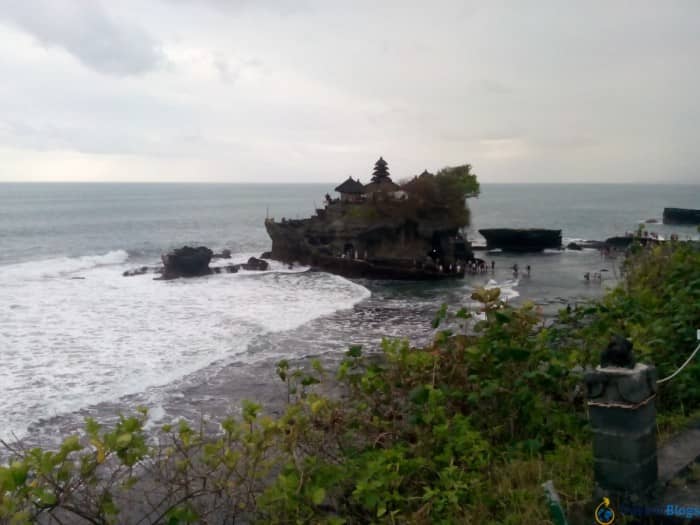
140,271
256,264
521,240
194,262
187,262
384,230
681,216
619,242
394,269
386,248
574,246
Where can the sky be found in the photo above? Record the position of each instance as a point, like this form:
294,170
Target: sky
282,91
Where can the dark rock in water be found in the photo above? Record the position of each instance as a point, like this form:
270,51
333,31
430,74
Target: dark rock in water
266,255
136,271
620,241
187,262
652,221
395,269
618,353
522,240
225,254
255,264
231,268
681,216
574,246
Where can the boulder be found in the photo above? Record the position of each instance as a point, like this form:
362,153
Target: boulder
187,262
619,241
266,255
574,246
225,254
255,264
136,271
681,216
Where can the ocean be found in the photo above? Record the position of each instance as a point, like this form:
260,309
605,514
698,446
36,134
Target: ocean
77,339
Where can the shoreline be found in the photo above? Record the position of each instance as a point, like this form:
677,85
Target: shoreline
394,309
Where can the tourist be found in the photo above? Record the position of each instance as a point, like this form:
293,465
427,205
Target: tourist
528,270
493,265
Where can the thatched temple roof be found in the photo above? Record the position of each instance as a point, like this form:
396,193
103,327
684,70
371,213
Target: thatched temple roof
351,186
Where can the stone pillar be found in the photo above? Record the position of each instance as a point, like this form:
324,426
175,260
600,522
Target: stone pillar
623,418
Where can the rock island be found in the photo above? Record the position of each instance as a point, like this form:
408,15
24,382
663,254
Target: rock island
412,230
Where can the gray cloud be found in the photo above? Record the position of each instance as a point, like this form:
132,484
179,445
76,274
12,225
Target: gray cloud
231,70
595,91
86,30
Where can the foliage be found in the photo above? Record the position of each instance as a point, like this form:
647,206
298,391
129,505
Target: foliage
657,307
462,430
447,190
458,182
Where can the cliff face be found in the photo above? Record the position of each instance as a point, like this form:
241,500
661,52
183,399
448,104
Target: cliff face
521,239
370,231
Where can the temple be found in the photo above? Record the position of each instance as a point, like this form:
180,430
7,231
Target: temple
383,229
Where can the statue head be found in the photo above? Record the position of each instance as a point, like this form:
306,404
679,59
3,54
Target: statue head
618,353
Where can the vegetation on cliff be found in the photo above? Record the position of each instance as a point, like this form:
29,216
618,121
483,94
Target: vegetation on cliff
440,197
463,430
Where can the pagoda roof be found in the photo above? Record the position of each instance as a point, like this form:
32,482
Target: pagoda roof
351,186
386,185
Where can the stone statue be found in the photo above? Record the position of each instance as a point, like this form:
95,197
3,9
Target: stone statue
618,353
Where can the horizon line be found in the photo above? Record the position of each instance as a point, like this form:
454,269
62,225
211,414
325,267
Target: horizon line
308,183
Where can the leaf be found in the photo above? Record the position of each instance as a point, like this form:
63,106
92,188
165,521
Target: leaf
419,395
318,495
124,440
354,351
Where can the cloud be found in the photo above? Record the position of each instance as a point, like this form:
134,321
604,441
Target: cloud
284,7
230,70
86,30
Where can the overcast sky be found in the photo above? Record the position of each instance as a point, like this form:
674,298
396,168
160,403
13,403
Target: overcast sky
315,90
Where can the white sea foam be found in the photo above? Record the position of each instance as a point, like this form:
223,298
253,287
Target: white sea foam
67,343
507,287
59,266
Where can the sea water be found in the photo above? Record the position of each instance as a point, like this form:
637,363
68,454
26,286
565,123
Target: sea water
77,338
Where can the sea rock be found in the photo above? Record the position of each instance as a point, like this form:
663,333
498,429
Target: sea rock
522,240
255,264
136,271
574,246
681,216
619,241
187,262
266,255
225,254
231,268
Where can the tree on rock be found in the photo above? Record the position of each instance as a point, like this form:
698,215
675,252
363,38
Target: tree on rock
381,171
